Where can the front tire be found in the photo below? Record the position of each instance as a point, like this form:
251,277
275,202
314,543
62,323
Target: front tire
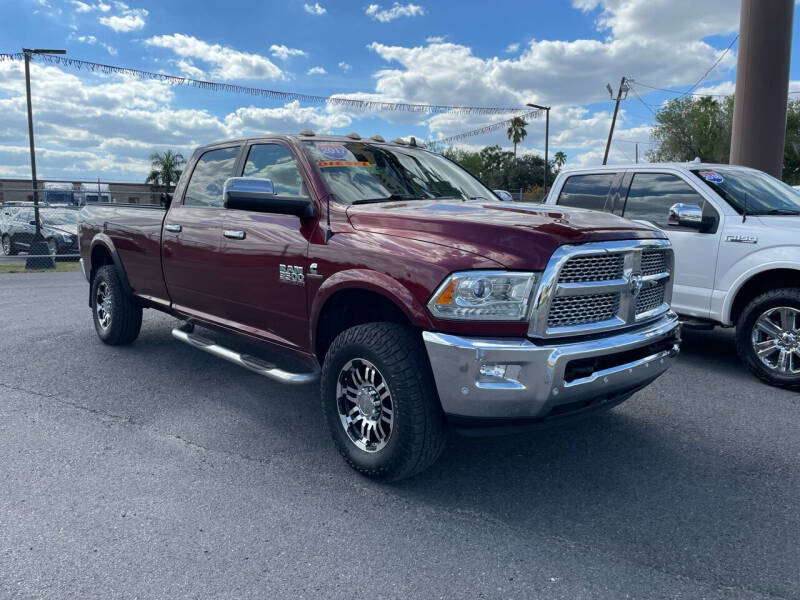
768,337
117,316
379,401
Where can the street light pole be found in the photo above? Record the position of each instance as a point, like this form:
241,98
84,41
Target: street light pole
38,245
546,110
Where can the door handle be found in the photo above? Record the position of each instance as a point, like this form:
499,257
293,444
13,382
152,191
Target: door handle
234,235
173,228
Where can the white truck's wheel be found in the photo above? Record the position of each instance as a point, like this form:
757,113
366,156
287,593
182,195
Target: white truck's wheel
768,337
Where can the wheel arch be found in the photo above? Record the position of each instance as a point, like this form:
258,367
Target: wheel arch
754,283
359,296
104,253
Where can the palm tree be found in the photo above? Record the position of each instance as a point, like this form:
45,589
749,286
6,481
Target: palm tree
166,168
560,159
516,132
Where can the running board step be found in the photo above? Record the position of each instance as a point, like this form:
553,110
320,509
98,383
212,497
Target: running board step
251,363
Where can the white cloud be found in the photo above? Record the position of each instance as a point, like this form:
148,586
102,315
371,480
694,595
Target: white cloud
284,52
92,40
228,63
385,15
435,39
84,7
511,48
129,19
107,126
188,68
345,67
316,71
314,9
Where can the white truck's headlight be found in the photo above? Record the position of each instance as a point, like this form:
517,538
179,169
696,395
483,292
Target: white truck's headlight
484,295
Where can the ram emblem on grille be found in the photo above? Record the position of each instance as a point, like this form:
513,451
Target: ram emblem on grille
635,284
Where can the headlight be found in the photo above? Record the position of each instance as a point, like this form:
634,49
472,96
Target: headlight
484,295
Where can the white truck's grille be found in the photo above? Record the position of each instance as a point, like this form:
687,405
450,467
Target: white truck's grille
603,286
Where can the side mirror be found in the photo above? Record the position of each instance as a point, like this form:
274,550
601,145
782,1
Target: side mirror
258,195
503,195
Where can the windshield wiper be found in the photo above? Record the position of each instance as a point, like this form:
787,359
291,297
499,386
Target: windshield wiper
779,211
392,198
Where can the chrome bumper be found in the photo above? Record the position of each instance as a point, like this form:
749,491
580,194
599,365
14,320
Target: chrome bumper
517,378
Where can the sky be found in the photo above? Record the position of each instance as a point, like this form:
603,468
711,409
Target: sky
505,53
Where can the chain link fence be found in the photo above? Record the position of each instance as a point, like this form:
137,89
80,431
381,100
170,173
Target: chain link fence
41,235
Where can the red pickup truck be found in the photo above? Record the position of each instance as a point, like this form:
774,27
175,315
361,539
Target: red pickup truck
421,301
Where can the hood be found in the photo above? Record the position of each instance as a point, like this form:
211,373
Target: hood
518,235
63,229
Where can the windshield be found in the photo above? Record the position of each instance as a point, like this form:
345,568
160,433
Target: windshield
61,218
752,192
360,172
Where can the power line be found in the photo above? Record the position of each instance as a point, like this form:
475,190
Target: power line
699,81
265,93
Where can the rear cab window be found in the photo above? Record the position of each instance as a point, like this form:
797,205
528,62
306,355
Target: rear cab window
211,171
587,191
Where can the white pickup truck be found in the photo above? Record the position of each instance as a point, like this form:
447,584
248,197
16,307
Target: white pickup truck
736,235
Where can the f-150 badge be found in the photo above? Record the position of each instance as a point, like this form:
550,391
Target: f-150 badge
292,274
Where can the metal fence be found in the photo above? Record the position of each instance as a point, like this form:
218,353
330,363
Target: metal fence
40,235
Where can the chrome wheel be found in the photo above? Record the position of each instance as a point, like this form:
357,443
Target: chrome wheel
6,245
776,339
102,305
365,405
52,247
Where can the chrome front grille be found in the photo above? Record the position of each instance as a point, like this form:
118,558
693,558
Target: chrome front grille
568,310
654,261
593,268
603,286
650,298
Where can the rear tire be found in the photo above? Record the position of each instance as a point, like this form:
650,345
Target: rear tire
117,316
768,337
376,379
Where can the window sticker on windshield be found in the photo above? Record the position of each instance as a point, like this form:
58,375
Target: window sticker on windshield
711,176
323,164
334,151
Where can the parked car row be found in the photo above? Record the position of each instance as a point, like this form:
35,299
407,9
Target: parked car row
58,226
736,236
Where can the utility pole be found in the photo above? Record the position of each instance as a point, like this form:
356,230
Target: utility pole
38,245
762,85
623,87
546,110
637,153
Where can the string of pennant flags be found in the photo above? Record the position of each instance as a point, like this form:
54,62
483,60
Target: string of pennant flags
533,114
354,103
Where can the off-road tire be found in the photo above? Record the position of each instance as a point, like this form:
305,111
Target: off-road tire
126,314
744,330
418,431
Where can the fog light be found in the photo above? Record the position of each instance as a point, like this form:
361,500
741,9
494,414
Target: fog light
498,371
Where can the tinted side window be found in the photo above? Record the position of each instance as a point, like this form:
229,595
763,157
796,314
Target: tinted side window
208,177
652,194
275,162
586,191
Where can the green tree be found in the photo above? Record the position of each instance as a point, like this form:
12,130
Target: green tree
560,159
690,127
791,148
516,132
166,168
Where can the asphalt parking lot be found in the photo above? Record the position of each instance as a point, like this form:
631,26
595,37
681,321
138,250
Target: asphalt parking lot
156,471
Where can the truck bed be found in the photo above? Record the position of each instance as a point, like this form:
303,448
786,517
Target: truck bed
135,231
